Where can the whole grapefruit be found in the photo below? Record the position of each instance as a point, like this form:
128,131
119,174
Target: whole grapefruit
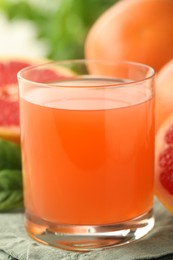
164,163
164,93
135,30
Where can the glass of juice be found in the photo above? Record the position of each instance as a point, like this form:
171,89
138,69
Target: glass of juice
87,138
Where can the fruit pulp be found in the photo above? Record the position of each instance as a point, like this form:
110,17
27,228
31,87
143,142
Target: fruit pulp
87,160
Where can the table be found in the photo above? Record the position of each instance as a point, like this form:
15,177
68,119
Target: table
15,243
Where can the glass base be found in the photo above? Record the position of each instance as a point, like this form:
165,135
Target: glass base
86,238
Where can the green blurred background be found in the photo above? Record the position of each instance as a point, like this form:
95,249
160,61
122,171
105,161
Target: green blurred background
62,24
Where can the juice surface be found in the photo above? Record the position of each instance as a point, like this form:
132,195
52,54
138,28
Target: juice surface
87,161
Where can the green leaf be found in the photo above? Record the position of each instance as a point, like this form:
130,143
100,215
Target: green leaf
11,194
12,201
10,180
10,155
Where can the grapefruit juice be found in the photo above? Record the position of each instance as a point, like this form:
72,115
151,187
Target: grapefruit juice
87,158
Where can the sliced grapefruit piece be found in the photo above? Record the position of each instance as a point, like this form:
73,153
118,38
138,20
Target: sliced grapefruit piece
9,105
164,163
9,120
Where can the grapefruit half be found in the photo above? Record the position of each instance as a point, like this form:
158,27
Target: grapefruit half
164,163
164,93
9,103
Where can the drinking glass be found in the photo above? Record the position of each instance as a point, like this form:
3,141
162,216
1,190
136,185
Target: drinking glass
87,138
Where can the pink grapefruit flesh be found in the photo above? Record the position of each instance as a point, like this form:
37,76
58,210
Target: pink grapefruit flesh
9,106
164,163
9,103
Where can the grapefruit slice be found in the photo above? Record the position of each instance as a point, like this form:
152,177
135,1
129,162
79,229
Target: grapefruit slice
9,105
164,163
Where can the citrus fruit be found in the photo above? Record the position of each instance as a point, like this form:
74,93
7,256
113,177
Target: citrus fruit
9,103
135,30
9,106
164,163
164,93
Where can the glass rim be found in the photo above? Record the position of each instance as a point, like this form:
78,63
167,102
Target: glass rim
151,71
